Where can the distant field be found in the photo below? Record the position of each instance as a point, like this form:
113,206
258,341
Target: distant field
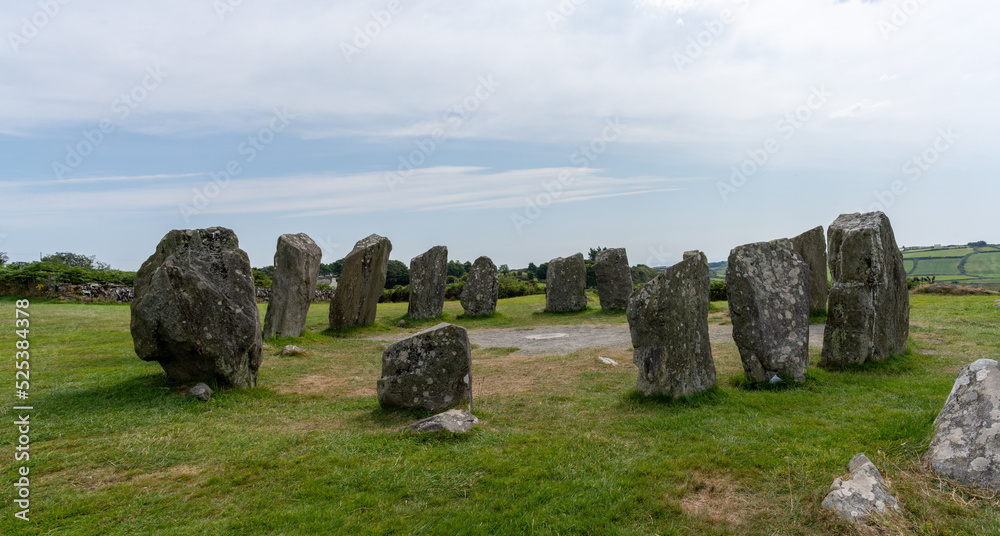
937,266
983,264
938,252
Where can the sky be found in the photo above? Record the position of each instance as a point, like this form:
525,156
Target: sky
521,130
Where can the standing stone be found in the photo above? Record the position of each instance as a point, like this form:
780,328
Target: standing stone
863,493
768,289
966,443
195,309
361,282
428,279
296,268
566,285
811,246
869,310
668,321
614,279
482,288
430,370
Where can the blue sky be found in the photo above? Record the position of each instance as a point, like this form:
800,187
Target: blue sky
521,130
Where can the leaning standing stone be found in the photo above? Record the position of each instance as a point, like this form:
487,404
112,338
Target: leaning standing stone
614,279
811,246
195,309
361,282
668,321
430,370
966,443
869,310
566,285
482,288
768,289
428,279
296,267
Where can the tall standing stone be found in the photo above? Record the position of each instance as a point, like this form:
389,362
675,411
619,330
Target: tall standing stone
430,370
668,321
296,268
767,284
614,279
361,282
811,246
428,279
195,309
566,284
966,443
869,311
482,288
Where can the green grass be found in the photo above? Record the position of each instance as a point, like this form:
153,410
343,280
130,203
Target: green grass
983,264
565,445
958,252
938,267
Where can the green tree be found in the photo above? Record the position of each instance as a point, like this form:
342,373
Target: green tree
334,268
468,266
397,274
76,260
531,270
456,269
504,269
593,252
591,274
3,258
642,274
542,271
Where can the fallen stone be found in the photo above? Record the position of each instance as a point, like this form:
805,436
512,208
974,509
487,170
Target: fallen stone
361,282
966,443
201,392
811,246
869,305
668,322
296,268
430,370
861,494
608,361
767,284
195,310
614,278
428,279
482,288
292,350
456,421
566,285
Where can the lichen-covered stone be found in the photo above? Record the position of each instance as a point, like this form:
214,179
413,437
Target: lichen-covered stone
296,268
429,370
195,309
361,282
482,288
456,421
966,443
668,322
566,285
428,279
861,494
811,246
768,289
869,305
614,278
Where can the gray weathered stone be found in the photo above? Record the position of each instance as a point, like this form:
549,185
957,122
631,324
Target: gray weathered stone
195,310
456,421
296,268
291,351
428,279
811,246
861,494
430,370
482,288
966,443
614,278
768,289
361,282
869,307
566,284
668,321
201,392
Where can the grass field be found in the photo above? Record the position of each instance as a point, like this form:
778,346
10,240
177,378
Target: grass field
565,445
